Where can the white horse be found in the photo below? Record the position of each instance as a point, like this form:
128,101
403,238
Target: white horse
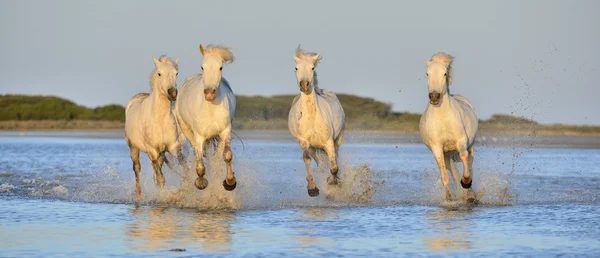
449,125
149,123
205,110
316,119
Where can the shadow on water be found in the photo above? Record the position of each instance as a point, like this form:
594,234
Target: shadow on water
451,230
156,228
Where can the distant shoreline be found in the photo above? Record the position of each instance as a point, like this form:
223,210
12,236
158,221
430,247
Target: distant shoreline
351,137
277,126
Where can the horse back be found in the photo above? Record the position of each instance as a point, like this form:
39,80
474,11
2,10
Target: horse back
138,98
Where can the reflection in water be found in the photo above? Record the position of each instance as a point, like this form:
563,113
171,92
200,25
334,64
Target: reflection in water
451,229
305,237
159,228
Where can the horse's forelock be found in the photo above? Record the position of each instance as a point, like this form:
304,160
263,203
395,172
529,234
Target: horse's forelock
165,60
446,60
307,55
220,51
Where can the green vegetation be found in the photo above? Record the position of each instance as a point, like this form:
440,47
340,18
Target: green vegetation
19,112
23,108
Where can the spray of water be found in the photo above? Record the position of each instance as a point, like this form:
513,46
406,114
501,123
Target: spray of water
489,188
357,184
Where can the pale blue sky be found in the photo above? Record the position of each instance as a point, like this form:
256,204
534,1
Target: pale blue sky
532,58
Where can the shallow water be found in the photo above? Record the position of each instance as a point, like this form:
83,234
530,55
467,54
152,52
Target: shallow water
72,195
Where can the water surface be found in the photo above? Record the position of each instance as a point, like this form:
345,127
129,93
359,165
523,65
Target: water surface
64,194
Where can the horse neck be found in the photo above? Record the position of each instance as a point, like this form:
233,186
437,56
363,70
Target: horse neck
308,103
445,105
161,105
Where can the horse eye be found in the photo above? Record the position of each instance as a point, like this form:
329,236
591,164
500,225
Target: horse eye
313,68
221,69
202,67
427,74
158,74
296,68
176,74
445,74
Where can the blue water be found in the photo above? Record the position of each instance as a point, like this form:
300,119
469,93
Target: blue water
72,195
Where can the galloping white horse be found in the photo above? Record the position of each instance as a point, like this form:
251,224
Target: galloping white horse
149,124
449,125
205,110
316,118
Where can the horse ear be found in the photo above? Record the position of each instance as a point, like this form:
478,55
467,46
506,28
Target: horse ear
316,58
177,61
202,50
427,63
296,58
156,62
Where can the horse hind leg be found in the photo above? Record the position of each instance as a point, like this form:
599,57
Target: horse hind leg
157,162
338,143
449,161
135,158
314,154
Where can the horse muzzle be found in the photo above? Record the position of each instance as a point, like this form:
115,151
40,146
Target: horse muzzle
172,94
304,86
434,98
210,94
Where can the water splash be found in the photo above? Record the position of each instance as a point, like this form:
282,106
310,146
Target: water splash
489,188
357,184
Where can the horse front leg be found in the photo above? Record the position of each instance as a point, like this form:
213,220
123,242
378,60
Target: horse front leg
466,159
135,158
438,154
225,147
468,174
331,151
313,191
201,183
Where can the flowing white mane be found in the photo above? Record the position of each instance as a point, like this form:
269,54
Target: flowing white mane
307,55
220,51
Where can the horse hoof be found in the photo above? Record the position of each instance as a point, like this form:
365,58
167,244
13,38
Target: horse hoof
332,180
471,197
466,186
313,192
201,183
229,187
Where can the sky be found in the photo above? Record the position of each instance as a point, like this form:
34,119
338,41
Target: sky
536,59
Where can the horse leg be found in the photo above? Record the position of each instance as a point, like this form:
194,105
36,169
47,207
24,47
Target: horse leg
338,143
466,181
201,182
135,158
450,166
306,152
439,156
163,159
157,162
312,152
175,150
331,152
225,146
